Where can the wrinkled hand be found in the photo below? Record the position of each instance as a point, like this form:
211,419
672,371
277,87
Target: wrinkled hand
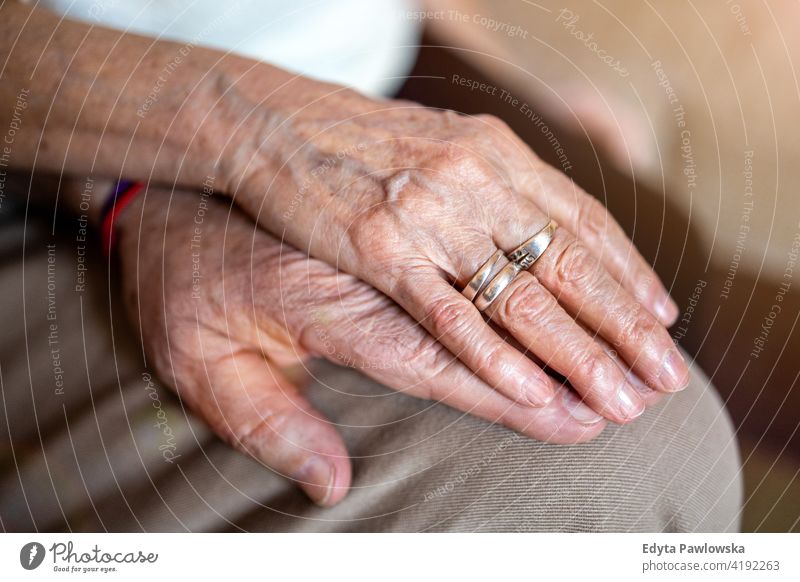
221,339
413,201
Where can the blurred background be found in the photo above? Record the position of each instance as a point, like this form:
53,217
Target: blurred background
682,118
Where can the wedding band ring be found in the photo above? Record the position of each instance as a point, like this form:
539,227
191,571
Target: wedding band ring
497,285
482,276
529,252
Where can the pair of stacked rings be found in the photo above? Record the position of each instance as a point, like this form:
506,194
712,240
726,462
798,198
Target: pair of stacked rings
496,274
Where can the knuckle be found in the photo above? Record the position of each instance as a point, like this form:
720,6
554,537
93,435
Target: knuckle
424,369
491,357
528,301
637,327
594,367
261,436
450,317
493,121
416,353
457,160
593,219
466,155
575,266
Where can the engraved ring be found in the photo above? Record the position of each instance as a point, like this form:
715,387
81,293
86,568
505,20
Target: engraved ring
529,252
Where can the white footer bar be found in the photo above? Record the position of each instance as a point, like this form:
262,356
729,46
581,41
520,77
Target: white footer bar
401,557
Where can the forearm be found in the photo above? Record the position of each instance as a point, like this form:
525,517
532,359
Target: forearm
105,103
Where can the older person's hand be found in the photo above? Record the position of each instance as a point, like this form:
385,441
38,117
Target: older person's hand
413,201
223,306
408,199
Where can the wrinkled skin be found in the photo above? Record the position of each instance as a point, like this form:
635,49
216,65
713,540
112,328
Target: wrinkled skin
413,201
262,306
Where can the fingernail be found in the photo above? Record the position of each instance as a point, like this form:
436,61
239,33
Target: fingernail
630,403
666,309
632,378
638,383
316,478
578,410
674,371
537,393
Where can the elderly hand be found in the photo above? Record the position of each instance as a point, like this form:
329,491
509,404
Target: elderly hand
409,200
413,201
223,307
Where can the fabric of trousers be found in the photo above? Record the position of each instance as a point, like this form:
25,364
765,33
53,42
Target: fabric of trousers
90,442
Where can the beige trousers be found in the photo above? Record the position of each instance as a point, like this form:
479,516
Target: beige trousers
90,442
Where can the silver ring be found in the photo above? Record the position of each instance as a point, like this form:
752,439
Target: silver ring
481,277
529,252
497,285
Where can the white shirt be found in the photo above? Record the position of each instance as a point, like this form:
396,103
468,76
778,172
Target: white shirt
368,45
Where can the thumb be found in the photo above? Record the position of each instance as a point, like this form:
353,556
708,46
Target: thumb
255,408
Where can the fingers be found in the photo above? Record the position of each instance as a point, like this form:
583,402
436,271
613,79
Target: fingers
371,333
350,323
564,420
581,284
648,395
590,222
586,218
429,371
253,407
454,321
531,313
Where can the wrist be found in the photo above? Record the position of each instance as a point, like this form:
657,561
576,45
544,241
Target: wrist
249,118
